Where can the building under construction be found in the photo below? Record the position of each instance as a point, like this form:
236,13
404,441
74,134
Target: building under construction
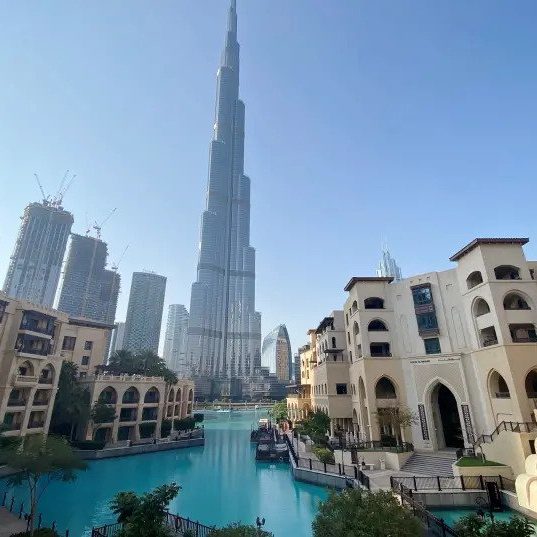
89,289
35,266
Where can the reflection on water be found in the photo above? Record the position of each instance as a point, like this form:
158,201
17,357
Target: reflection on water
221,482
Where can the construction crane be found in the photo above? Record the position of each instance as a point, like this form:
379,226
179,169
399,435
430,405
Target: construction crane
45,197
115,265
97,227
62,189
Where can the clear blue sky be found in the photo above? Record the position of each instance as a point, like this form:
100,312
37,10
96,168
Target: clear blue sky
414,120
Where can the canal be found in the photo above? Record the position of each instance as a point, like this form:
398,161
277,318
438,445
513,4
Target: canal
221,483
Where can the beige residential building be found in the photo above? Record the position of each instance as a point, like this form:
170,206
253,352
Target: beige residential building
34,341
140,403
457,348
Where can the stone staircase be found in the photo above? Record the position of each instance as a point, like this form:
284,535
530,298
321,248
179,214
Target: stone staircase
438,463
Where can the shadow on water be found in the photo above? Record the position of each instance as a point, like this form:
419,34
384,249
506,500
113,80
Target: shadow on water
221,483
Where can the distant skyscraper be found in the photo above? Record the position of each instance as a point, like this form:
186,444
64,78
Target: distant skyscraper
118,336
88,288
224,332
175,339
35,266
144,312
388,267
276,353
296,369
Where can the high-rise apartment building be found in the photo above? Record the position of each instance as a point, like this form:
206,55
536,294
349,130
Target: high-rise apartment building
118,335
35,266
224,333
175,339
388,267
88,289
144,312
276,353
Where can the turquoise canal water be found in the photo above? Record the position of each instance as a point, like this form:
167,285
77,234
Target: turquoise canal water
221,483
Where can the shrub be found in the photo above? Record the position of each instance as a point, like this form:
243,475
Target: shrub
88,444
239,530
185,424
355,513
198,417
475,526
147,430
165,428
323,454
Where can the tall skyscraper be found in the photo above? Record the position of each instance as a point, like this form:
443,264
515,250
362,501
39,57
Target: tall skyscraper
276,353
118,334
388,267
88,288
175,339
144,312
35,266
224,331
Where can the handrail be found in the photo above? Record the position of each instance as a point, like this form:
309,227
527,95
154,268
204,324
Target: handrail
512,426
449,483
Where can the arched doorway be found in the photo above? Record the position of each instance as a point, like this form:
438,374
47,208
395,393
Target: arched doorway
446,418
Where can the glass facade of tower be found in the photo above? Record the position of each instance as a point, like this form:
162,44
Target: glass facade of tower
175,339
224,331
276,353
35,266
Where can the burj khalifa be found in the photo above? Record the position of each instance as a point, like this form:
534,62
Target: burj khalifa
224,331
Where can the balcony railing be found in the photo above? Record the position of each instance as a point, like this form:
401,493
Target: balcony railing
502,395
16,402
36,424
46,380
489,342
25,379
12,426
529,339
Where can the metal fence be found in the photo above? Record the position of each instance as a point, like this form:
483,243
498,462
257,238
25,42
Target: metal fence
178,526
435,526
447,483
512,426
340,469
375,445
17,509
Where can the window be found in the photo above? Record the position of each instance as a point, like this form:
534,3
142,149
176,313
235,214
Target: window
85,360
374,303
88,345
507,272
432,345
3,306
427,321
376,325
68,343
346,319
333,342
341,389
422,295
349,337
475,278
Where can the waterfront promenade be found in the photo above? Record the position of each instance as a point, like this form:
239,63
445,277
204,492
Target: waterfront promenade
10,523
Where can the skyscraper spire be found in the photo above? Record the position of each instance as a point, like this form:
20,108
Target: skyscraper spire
224,333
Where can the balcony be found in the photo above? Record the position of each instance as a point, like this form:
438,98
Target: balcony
19,402
24,380
380,350
523,333
33,321
29,346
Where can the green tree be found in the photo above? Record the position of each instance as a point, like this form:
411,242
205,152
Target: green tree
278,412
146,363
144,515
475,526
398,418
315,426
100,414
356,513
39,460
72,403
239,530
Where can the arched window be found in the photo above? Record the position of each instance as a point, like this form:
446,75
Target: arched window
507,272
354,306
531,384
376,325
385,389
178,395
190,395
152,396
132,395
498,387
480,307
171,396
108,396
475,278
26,369
355,328
374,303
47,375
515,301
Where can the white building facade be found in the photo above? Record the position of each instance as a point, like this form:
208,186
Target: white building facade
175,340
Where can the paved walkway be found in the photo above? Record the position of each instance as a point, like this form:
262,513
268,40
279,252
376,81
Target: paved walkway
10,523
